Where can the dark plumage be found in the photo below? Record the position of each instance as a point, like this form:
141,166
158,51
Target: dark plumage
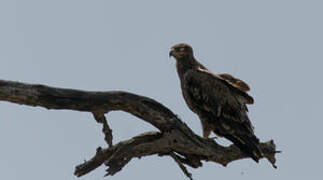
218,99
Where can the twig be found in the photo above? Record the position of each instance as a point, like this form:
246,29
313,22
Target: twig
107,131
181,165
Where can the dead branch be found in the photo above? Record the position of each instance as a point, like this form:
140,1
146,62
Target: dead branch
175,138
107,131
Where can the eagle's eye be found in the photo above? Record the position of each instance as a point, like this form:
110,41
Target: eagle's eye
182,49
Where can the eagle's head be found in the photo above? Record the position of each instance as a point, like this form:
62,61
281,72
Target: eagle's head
181,51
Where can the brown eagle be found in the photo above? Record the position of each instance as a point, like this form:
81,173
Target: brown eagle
218,99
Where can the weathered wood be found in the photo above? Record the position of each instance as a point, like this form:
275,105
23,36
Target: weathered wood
174,136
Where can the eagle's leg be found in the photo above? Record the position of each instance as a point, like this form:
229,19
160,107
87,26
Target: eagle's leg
206,134
206,127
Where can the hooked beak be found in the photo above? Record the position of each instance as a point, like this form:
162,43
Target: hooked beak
171,53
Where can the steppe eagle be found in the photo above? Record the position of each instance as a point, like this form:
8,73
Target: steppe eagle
218,99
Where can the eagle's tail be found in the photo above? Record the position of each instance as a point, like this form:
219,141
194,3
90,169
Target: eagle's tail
247,144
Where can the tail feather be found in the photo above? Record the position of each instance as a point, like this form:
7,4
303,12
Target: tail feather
247,144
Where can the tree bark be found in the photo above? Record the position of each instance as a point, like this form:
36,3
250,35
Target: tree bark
174,139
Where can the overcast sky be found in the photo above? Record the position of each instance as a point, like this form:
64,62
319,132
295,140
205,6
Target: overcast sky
275,46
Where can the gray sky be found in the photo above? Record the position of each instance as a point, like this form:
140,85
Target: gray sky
275,46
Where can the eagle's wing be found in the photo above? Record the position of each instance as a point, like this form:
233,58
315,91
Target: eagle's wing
235,82
225,107
214,94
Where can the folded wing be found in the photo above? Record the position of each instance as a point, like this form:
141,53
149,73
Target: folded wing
224,105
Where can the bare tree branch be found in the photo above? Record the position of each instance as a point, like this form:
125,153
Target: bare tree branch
107,131
174,136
